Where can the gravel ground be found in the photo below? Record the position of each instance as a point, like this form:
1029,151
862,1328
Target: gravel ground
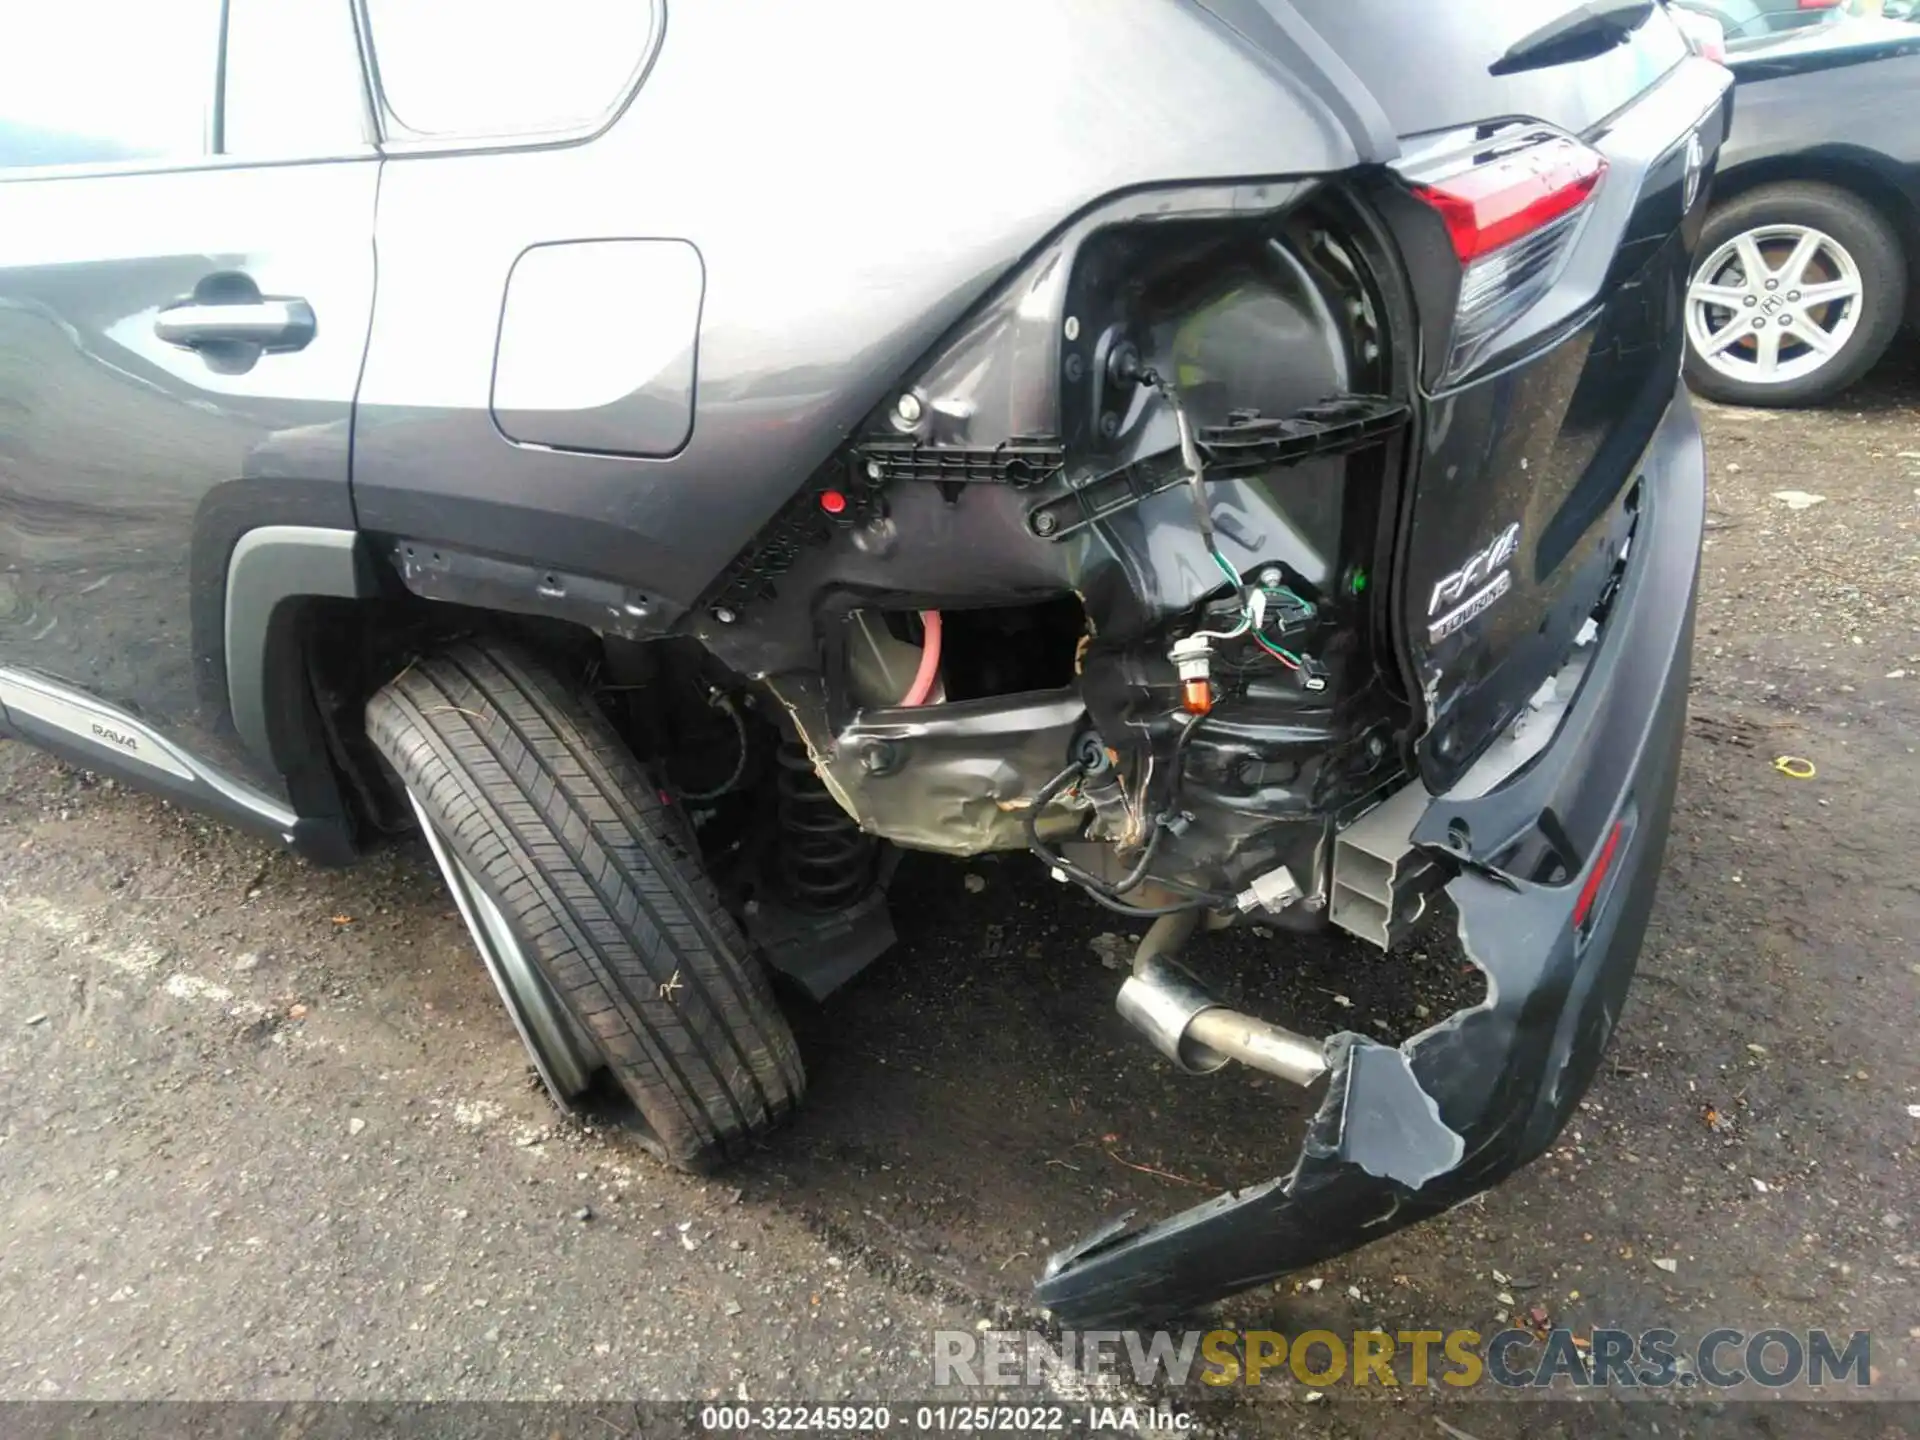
266,1134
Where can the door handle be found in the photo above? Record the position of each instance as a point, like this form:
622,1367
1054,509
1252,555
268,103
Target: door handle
271,324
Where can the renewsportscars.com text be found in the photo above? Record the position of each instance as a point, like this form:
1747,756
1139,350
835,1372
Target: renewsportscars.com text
1719,1359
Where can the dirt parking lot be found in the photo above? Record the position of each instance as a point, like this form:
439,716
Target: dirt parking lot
265,1132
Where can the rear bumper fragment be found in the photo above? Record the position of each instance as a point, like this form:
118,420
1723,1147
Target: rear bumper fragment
1405,1133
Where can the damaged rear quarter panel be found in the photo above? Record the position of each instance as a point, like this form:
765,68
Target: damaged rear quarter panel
838,244
1489,1087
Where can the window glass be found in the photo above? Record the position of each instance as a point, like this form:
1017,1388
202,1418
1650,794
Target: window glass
90,82
293,79
506,67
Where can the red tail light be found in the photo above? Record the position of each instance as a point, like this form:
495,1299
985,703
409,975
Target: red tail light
1819,4
1589,892
1494,204
1511,204
1704,35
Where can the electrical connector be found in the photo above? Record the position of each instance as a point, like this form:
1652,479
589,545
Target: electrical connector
1286,610
1272,892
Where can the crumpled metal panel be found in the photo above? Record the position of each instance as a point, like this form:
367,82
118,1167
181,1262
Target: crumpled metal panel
956,779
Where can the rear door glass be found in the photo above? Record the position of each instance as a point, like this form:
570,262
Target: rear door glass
273,109
107,82
487,68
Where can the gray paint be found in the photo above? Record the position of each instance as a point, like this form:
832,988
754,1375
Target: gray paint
121,454
1428,63
856,177
597,345
547,93
1501,1076
848,212
849,209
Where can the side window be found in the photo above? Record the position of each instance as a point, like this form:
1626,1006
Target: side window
102,82
293,83
488,68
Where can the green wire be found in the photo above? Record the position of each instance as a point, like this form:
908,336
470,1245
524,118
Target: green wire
1285,657
1300,600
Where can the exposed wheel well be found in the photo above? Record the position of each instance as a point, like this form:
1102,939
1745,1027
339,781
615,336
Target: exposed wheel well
348,649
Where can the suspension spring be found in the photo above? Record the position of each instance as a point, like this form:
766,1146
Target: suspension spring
825,861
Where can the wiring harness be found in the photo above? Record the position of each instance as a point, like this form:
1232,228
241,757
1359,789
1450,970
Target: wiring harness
1108,894
1193,654
1260,603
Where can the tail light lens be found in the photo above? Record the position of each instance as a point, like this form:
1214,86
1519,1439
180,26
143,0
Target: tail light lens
1493,204
1512,212
1705,36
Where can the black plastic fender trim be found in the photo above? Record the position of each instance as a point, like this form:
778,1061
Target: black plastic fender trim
270,567
271,570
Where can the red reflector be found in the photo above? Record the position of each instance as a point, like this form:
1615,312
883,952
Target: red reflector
1590,891
1819,4
833,502
1495,204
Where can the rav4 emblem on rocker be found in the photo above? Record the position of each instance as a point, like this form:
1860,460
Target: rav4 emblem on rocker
115,737
1474,588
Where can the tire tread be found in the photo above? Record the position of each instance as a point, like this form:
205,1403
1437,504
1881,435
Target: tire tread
542,800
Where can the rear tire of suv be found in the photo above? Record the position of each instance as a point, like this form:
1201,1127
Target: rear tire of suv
540,808
1806,237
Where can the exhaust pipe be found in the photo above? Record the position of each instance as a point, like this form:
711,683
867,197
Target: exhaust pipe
1194,1030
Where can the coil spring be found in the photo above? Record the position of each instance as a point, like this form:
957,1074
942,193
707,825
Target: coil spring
825,862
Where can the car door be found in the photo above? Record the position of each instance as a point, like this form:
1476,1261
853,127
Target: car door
186,283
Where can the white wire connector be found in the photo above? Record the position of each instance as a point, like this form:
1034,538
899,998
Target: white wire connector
1253,614
1272,892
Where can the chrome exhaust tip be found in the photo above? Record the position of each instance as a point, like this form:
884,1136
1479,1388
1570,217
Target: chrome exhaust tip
1200,1035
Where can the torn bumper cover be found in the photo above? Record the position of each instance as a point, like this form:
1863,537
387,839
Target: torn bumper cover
1406,1133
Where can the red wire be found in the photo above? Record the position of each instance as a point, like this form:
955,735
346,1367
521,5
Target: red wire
929,672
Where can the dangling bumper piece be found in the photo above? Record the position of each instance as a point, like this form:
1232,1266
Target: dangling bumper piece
1405,1133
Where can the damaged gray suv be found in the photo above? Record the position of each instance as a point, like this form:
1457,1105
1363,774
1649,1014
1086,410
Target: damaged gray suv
674,455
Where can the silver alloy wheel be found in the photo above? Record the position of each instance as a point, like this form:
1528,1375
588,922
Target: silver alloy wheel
561,1052
1774,303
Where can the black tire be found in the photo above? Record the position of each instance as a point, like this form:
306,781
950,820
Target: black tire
534,792
1874,246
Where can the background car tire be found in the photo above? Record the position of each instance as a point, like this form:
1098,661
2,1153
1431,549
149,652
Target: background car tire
1874,249
542,804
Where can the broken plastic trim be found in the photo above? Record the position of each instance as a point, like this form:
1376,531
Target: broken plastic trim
1248,445
1406,1133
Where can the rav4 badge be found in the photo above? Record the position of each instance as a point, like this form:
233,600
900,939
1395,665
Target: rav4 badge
1474,588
